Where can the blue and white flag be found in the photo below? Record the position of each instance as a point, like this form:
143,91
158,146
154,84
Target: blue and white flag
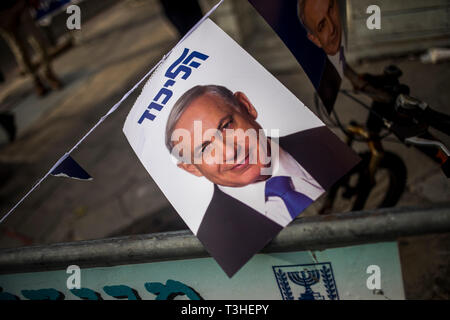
69,168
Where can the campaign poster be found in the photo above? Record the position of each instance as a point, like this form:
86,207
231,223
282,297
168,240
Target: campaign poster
315,33
234,151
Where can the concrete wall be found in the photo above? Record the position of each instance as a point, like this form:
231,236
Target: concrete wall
407,26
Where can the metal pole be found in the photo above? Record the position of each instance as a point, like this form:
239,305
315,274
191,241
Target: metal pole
308,233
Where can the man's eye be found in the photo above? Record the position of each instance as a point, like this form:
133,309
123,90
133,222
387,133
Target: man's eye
227,124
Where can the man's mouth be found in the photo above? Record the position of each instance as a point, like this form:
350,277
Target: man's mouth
242,164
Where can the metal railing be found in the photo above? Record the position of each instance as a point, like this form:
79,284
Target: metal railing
307,233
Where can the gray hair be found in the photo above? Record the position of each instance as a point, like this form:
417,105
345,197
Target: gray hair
187,98
301,14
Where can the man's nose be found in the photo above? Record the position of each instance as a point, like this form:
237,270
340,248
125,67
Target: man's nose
331,25
231,149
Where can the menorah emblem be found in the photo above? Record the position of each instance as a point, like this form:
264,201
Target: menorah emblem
306,279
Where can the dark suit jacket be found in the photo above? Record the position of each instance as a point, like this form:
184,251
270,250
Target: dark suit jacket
232,232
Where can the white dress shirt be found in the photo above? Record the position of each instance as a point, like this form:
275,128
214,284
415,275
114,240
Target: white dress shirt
337,60
274,208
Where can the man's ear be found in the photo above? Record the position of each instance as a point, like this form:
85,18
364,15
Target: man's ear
191,168
245,103
314,39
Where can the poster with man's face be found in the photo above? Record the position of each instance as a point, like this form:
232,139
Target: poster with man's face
237,155
314,31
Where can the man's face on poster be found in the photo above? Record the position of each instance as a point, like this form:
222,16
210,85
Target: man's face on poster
228,157
322,19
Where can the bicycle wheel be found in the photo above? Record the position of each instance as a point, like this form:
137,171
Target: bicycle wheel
356,191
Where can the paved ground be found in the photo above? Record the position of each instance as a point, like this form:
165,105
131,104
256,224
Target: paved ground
114,50
106,63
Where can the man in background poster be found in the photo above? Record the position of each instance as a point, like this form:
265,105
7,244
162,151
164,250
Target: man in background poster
323,24
322,20
315,33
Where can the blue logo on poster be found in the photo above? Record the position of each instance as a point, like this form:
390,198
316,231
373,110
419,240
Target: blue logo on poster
306,281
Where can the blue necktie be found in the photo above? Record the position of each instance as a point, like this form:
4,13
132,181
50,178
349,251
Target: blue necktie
282,187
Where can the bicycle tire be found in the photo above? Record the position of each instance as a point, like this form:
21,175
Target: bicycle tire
397,174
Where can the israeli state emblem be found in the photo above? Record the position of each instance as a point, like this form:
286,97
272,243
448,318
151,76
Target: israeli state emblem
306,281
